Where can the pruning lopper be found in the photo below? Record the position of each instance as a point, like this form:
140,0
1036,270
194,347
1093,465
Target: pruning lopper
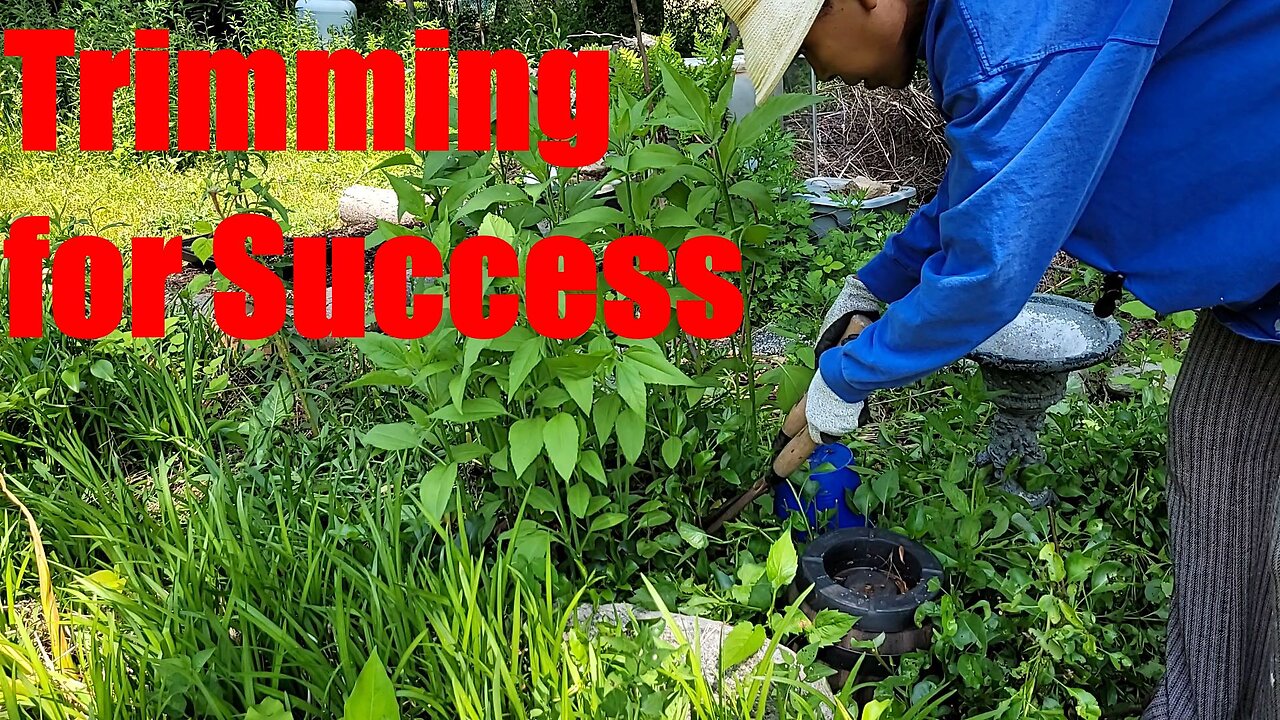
793,445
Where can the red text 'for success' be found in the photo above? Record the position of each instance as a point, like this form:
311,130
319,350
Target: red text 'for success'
572,91
561,288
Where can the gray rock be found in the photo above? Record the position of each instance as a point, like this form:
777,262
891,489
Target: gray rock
764,343
361,205
706,637
328,302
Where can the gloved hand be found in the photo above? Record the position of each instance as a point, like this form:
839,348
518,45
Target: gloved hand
854,298
829,416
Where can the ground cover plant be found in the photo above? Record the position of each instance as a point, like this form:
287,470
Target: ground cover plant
382,529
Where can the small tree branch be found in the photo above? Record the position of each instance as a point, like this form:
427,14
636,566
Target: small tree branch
644,51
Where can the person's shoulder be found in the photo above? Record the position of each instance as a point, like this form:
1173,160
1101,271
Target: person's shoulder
1007,34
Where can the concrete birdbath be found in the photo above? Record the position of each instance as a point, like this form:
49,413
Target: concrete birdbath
1028,361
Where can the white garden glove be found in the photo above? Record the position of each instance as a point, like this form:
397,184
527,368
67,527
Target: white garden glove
830,417
854,298
827,413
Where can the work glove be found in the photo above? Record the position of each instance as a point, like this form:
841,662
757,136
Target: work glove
829,416
854,298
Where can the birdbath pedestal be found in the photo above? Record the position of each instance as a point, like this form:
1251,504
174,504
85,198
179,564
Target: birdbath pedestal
1028,363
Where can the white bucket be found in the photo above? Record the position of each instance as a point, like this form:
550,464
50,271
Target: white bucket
327,16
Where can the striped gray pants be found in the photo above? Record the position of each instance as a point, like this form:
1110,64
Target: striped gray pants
1224,505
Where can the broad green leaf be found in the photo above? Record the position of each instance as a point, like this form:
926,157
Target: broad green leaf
437,488
1137,310
656,369
541,498
654,156
590,463
829,627
380,378
466,452
875,709
197,283
955,496
582,390
523,361
1087,707
631,385
103,370
685,97
202,247
269,709
592,219
277,406
497,226
630,430
754,193
671,449
674,216
525,438
743,641
654,518
1184,320
578,496
384,352
693,535
781,565
607,520
473,409
560,437
420,417
758,121
399,159
885,485
393,436
489,197
604,414
409,198
373,697
791,381
71,378
1079,566
1053,562
512,340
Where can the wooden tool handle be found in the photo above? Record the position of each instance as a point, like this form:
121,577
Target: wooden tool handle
857,324
795,420
735,508
796,452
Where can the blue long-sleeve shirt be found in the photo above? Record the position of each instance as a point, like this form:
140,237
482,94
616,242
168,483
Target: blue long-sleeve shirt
1140,136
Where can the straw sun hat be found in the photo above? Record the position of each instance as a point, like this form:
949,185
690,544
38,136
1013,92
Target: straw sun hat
772,31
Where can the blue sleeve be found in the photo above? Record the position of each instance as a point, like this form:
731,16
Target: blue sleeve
895,270
1028,148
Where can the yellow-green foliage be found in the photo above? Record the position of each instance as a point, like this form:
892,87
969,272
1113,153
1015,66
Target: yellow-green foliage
628,68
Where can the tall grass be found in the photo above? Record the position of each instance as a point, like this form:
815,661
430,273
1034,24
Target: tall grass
211,554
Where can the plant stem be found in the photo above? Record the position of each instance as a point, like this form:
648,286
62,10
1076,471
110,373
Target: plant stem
644,52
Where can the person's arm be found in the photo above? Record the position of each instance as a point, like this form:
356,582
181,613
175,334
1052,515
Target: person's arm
895,270
1028,148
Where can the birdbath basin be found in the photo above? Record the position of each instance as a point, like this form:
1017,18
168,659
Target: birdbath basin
1028,362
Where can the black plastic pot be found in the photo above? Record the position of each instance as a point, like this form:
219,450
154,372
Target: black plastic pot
877,576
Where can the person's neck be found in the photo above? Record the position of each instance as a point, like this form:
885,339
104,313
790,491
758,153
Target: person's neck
917,10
